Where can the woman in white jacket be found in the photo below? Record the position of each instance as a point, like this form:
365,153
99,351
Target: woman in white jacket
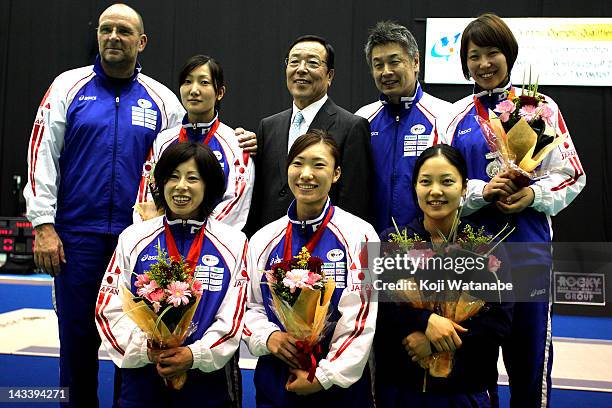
190,182
202,87
338,238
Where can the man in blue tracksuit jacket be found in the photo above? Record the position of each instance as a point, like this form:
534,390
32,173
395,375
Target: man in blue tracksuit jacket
403,122
90,138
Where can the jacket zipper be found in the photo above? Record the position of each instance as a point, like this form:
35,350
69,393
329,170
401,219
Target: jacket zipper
110,207
395,160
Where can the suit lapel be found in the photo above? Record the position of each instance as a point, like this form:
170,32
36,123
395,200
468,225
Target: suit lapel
326,116
280,147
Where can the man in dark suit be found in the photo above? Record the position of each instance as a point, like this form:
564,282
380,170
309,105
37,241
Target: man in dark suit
309,72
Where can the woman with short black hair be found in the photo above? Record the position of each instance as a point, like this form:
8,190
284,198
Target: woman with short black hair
495,198
190,183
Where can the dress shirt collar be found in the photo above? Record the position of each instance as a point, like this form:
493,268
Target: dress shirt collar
308,112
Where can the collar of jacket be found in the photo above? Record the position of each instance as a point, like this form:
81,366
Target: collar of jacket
490,98
192,225
195,131
307,226
100,71
406,102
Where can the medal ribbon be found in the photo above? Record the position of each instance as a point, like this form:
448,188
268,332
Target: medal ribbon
314,240
211,132
194,251
480,109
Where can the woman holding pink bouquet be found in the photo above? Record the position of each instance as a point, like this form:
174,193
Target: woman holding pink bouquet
440,348
159,272
324,245
496,195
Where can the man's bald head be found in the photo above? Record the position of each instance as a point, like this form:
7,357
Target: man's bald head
124,9
120,39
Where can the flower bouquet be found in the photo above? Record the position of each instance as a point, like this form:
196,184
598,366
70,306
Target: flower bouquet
457,305
167,298
520,132
301,297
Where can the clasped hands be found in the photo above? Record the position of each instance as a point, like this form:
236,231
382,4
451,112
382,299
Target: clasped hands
509,198
171,362
283,346
441,333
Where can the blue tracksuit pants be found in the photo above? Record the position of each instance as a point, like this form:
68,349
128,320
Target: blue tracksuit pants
76,291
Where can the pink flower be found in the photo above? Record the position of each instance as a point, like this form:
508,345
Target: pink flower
422,255
504,117
528,112
494,263
506,106
312,278
156,307
146,289
546,113
157,295
296,278
178,293
197,287
141,280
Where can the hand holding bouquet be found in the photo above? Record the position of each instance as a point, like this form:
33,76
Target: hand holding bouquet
301,297
457,305
167,298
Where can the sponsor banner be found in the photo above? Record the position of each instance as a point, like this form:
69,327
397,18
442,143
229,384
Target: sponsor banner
558,51
580,288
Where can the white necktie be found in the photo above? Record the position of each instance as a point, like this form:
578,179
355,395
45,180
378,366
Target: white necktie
294,130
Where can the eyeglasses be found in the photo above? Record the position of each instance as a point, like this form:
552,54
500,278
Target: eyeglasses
311,63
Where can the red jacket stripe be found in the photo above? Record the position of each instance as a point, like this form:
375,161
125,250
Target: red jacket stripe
359,326
238,315
103,322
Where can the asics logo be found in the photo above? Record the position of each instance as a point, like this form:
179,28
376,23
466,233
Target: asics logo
147,257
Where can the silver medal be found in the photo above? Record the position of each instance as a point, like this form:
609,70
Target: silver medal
493,168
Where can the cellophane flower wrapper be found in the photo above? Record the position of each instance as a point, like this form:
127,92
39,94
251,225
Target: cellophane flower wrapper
159,335
306,320
440,364
516,148
456,305
148,210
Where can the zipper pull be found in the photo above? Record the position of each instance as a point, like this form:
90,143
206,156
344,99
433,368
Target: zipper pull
117,101
304,225
397,118
184,223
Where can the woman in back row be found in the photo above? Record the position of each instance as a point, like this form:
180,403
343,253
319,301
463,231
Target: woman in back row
202,87
488,52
